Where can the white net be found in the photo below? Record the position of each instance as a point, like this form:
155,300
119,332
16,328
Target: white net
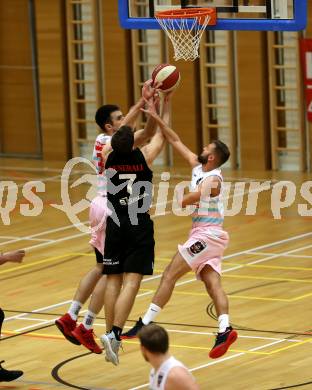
185,35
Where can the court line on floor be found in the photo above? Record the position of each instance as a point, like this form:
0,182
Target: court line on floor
291,346
224,258
59,337
278,267
150,291
213,334
35,263
49,231
308,281
271,254
227,270
158,276
299,236
238,267
201,348
18,316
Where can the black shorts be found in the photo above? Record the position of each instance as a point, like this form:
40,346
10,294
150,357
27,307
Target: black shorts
129,248
99,256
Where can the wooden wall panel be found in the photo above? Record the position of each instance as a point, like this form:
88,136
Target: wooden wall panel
51,41
17,99
253,100
186,118
118,82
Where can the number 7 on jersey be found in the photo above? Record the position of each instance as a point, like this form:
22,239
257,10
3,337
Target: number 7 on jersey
131,177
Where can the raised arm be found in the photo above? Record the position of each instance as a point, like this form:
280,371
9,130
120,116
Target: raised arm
132,116
173,138
152,150
142,136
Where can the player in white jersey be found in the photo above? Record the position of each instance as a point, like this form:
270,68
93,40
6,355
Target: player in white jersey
167,373
109,118
203,250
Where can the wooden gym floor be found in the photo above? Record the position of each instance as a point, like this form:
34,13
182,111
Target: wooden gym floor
267,274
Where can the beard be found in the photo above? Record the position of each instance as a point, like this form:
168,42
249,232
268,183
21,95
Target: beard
202,158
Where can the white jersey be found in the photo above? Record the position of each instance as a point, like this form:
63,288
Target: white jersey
158,378
97,158
210,212
100,141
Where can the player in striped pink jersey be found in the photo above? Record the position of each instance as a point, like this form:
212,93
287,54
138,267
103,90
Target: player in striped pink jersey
203,250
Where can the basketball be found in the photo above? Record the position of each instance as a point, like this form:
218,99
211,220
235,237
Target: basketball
168,75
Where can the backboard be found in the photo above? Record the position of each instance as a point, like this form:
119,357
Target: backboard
268,15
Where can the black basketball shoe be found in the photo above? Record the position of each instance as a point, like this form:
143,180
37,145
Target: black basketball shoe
132,333
223,342
8,376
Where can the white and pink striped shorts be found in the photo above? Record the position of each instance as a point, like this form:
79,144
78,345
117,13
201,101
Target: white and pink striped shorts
98,214
204,246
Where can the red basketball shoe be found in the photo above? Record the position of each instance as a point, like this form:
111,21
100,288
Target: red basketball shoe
86,337
66,325
223,342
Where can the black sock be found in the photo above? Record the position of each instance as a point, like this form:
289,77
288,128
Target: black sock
117,332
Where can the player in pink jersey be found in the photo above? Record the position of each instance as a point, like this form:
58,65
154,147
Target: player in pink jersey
203,250
109,118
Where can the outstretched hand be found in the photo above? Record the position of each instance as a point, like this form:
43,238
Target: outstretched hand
151,108
149,90
14,256
168,96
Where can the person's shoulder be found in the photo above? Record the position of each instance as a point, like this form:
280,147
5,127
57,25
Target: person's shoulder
103,138
179,377
197,168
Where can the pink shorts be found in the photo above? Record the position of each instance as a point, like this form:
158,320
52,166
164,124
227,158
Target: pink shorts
98,214
204,246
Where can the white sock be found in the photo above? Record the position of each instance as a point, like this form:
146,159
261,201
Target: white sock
151,313
224,322
74,309
89,319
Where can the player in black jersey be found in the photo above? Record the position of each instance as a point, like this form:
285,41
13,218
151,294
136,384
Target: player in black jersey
129,243
83,334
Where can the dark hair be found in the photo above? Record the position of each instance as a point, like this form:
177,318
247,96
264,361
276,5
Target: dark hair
122,141
222,151
154,338
102,115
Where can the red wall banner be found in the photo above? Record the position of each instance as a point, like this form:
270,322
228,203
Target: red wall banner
306,60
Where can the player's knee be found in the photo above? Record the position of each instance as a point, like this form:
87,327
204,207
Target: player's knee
169,275
99,268
132,284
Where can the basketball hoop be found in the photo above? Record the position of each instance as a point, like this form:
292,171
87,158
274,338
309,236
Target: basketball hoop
185,27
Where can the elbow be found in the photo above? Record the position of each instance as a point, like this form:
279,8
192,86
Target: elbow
184,203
